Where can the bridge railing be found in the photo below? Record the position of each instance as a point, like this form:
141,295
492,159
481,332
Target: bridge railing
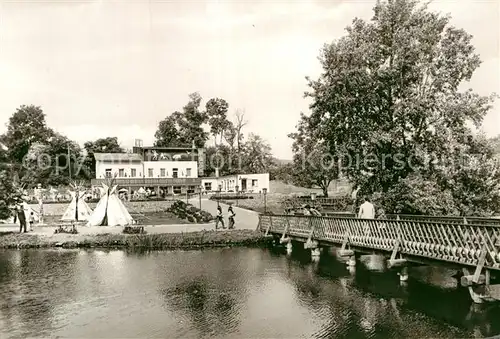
430,218
466,244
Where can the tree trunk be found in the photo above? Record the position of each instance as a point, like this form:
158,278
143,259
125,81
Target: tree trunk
325,191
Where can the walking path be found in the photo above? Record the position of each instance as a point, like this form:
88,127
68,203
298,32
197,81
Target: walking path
245,219
49,230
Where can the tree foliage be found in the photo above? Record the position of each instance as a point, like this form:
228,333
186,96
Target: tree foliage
8,194
314,164
25,127
256,155
389,94
183,128
216,110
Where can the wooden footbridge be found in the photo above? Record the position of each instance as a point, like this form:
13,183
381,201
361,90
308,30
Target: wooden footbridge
471,246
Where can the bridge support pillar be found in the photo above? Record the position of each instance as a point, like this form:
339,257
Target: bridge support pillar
313,245
289,247
403,274
479,285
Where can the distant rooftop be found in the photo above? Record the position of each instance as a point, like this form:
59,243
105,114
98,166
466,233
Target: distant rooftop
117,157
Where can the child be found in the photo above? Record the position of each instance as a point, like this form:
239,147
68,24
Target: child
32,220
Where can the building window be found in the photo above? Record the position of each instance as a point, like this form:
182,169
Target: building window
121,172
188,172
133,173
255,183
208,186
175,172
162,172
191,189
108,172
150,172
177,189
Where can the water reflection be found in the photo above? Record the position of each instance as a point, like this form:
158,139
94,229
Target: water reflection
243,293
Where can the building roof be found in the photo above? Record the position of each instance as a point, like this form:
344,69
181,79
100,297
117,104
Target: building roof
117,157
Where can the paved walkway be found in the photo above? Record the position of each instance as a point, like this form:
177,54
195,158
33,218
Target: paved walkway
245,219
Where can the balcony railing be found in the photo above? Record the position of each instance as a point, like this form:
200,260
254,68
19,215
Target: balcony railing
150,181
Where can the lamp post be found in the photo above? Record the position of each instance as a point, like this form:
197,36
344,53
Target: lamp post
199,189
237,194
218,200
264,190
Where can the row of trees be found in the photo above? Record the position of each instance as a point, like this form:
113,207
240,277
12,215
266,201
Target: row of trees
32,153
390,95
232,152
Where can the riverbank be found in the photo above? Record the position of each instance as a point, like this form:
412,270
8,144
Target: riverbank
156,241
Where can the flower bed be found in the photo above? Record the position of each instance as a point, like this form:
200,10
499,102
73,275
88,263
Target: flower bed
190,213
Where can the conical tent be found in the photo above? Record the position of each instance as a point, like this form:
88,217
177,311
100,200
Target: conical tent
78,210
110,211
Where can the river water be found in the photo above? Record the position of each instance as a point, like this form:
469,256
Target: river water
225,293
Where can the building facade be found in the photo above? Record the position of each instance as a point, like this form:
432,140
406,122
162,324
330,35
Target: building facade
248,183
162,170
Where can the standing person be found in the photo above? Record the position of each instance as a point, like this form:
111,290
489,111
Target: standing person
366,211
219,218
22,219
231,217
32,220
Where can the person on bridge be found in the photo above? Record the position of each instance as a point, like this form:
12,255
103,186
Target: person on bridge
366,210
219,218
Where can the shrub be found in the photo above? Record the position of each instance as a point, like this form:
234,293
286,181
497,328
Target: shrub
134,230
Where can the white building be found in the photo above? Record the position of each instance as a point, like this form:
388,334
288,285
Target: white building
170,170
164,170
249,183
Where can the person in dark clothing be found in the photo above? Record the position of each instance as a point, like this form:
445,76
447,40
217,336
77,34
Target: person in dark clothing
231,217
22,219
219,218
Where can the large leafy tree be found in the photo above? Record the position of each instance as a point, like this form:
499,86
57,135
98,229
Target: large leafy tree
50,163
313,163
216,110
101,145
389,97
184,128
256,156
167,133
9,196
25,127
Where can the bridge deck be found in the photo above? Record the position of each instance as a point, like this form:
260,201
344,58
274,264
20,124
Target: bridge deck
459,243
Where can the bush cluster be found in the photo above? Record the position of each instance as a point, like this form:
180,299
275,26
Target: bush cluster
190,213
134,230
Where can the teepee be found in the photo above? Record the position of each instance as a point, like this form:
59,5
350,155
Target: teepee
110,211
78,210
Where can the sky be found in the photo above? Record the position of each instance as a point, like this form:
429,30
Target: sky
117,68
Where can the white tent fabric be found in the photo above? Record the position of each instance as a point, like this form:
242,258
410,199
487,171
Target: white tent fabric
27,212
110,210
77,211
